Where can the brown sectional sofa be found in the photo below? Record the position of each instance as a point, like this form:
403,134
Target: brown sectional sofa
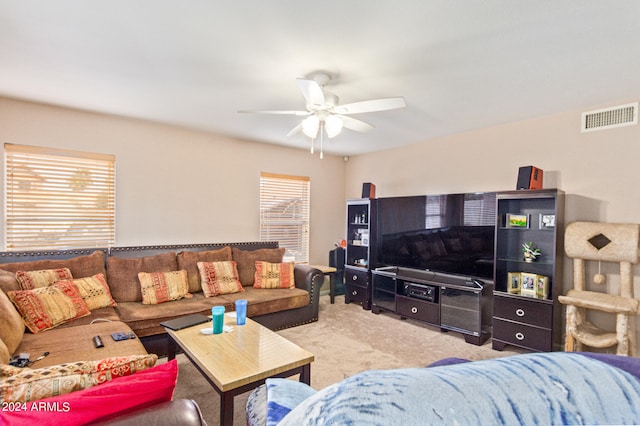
72,341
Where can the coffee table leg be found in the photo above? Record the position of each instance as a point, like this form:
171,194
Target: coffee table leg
305,374
226,408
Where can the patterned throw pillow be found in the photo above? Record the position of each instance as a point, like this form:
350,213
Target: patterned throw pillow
274,275
219,278
160,287
95,292
247,261
30,385
46,307
29,280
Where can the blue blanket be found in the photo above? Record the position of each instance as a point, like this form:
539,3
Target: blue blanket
541,388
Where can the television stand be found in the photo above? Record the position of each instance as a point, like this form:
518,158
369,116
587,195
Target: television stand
450,302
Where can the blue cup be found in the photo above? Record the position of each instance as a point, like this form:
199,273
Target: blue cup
217,318
241,311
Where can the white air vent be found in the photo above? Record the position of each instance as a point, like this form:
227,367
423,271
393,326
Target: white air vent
608,118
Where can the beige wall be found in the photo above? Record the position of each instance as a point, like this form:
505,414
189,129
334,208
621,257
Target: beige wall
598,171
182,186
176,185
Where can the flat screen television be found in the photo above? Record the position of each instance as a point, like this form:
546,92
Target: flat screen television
450,233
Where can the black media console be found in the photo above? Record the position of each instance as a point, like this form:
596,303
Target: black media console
451,302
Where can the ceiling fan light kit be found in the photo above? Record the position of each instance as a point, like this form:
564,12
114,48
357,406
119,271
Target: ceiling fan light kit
325,115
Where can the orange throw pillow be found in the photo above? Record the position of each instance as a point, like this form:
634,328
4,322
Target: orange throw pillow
274,275
95,292
46,307
29,280
219,278
160,287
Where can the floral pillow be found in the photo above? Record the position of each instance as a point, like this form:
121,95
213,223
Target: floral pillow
47,307
29,280
219,278
160,287
274,275
33,384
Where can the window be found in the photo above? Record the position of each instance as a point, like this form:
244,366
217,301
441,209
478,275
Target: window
284,213
58,199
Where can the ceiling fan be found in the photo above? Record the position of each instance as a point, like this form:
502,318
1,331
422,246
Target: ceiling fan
324,113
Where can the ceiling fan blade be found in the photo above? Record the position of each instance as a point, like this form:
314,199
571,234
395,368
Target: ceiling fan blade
355,124
311,91
373,105
294,130
275,112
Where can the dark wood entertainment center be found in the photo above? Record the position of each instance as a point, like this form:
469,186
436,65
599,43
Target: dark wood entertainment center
449,261
450,302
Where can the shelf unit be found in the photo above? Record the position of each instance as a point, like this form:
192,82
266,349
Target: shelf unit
525,312
360,237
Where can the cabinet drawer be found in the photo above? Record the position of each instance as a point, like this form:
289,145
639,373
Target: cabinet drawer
354,293
519,334
529,311
358,277
418,309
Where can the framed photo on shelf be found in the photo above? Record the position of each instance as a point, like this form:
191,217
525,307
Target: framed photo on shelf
542,287
547,221
528,284
513,282
517,220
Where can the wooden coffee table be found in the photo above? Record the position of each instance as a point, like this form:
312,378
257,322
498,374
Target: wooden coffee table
240,360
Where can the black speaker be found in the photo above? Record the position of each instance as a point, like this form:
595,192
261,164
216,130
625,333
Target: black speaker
529,177
368,190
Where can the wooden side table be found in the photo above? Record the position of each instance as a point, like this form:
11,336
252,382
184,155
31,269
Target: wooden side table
329,271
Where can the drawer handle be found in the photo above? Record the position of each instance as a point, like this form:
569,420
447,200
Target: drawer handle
355,292
519,336
355,277
414,310
520,312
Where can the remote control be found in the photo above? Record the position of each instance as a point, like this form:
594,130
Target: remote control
97,341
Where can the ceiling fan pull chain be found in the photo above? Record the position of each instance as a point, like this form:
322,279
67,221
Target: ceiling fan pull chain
321,139
312,141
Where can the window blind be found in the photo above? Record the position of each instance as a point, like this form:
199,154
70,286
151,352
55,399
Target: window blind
284,213
58,199
480,209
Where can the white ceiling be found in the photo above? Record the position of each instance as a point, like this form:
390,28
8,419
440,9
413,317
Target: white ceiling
460,64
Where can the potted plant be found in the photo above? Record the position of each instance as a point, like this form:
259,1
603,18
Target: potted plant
530,252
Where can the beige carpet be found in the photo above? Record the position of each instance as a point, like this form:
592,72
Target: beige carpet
347,340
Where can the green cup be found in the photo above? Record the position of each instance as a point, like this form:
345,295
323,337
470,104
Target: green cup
217,318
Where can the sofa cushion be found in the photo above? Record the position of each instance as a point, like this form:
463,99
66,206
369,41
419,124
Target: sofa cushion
46,307
188,260
8,281
121,395
145,320
80,267
160,287
274,275
246,260
29,280
263,301
95,292
68,342
11,324
122,274
34,384
219,278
